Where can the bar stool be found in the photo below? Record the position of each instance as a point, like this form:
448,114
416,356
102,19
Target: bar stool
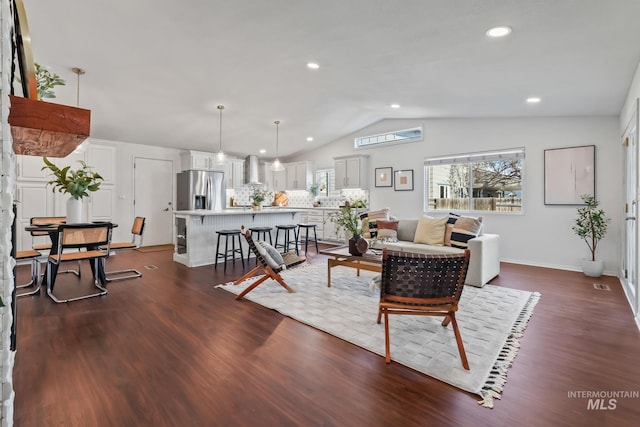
261,234
229,234
306,228
287,229
34,257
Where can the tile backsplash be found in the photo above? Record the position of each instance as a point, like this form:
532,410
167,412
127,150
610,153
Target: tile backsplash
300,198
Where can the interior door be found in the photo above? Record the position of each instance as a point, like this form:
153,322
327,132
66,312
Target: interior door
630,214
153,195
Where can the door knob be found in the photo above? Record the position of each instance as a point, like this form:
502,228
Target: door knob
630,218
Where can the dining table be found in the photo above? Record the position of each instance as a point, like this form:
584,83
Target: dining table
52,230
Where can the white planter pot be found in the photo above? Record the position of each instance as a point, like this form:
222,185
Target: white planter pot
74,211
592,268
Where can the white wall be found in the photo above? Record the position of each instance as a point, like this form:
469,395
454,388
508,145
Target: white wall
542,235
630,102
125,154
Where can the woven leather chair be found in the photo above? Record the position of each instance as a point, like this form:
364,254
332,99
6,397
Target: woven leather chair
270,272
47,220
88,242
419,284
136,234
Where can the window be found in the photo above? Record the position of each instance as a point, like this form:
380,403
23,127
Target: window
490,181
395,137
326,178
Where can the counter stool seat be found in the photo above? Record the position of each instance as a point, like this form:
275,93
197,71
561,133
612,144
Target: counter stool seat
287,240
233,234
306,227
261,234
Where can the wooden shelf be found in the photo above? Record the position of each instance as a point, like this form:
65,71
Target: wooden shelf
42,128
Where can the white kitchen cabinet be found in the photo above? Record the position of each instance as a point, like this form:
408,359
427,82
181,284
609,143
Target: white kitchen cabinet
197,160
235,178
316,217
298,176
351,172
330,230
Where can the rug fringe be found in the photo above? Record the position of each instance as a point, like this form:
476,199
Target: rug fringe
497,378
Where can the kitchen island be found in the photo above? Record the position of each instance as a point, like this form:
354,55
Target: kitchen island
195,230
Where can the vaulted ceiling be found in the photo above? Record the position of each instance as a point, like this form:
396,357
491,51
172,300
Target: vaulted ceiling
157,69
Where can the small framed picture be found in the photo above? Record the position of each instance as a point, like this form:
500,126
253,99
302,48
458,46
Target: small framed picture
384,177
569,173
403,180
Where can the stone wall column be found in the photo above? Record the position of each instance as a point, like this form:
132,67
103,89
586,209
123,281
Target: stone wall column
7,189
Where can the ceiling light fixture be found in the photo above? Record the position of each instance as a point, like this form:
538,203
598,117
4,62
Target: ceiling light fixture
499,31
277,166
262,151
309,139
313,65
396,106
78,71
220,158
533,100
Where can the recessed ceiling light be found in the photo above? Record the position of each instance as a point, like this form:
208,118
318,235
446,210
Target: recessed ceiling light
533,100
394,105
500,31
309,139
262,151
313,65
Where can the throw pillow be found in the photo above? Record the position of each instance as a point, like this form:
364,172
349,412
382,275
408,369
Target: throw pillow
372,226
449,228
430,231
270,254
369,222
387,230
464,229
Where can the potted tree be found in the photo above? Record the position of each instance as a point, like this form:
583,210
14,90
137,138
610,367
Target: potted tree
591,225
76,183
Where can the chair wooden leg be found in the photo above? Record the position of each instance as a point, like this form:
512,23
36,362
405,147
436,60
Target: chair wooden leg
456,331
387,345
250,288
379,314
278,279
247,275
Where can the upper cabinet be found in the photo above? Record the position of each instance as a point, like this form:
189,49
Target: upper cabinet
351,172
299,176
199,160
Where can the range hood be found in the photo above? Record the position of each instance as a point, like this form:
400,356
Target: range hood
252,170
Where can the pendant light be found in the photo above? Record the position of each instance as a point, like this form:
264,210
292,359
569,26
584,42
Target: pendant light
220,157
277,166
78,71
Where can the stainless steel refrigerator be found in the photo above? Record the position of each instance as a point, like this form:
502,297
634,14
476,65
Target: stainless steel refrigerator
200,190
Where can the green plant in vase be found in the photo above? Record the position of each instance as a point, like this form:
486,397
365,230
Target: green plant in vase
258,196
77,183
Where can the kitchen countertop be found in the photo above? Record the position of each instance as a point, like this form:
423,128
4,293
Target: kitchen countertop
240,211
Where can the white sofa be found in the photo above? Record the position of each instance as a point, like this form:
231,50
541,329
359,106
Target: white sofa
484,263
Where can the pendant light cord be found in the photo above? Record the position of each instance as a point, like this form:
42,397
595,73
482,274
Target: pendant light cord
78,71
220,107
277,122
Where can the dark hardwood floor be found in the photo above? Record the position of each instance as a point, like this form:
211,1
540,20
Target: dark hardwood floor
169,349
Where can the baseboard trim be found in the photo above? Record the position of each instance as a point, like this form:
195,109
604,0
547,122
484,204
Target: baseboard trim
554,266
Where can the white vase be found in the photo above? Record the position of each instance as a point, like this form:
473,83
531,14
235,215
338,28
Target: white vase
592,268
74,211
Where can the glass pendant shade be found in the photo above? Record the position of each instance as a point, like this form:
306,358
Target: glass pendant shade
220,157
277,166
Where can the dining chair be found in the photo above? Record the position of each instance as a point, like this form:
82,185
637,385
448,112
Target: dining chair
33,257
35,236
79,242
422,284
136,241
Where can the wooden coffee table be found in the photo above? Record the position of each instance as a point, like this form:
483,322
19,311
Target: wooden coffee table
371,261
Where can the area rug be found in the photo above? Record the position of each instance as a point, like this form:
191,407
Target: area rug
491,319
